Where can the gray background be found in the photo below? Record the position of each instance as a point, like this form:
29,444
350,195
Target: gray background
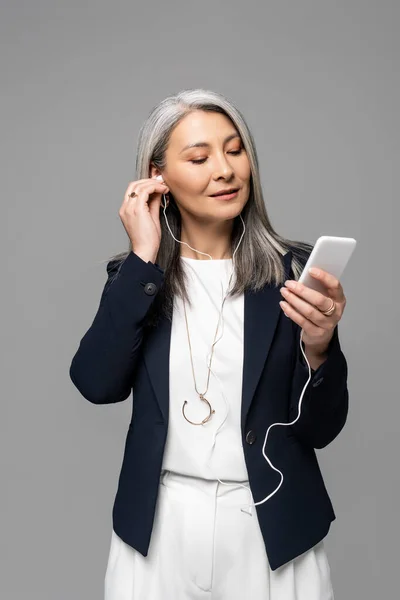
318,83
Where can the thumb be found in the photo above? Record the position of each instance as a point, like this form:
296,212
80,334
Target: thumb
154,206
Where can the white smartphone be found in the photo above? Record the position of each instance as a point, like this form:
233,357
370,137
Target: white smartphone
331,254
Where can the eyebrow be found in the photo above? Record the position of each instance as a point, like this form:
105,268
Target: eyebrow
207,145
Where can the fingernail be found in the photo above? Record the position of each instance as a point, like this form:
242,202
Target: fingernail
314,271
283,309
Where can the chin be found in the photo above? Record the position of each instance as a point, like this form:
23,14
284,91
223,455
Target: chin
228,212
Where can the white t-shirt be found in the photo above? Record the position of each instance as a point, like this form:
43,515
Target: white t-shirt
199,450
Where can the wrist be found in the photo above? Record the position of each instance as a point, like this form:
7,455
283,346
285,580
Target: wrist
316,356
145,255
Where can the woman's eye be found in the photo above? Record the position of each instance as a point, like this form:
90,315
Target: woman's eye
235,152
202,160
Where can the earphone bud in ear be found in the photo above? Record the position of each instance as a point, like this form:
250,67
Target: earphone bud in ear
166,201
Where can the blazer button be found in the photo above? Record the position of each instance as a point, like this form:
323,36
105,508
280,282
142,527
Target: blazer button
316,383
251,437
150,289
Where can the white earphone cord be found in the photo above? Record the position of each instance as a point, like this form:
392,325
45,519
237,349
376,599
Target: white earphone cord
248,509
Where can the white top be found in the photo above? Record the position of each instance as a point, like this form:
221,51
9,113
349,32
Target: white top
200,450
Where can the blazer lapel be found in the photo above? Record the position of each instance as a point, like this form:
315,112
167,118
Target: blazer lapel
261,313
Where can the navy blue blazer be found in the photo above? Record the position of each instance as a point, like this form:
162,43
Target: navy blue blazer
118,355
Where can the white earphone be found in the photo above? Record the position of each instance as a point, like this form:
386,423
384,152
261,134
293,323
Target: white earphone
248,508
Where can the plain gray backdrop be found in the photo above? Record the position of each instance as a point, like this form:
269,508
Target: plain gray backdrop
318,84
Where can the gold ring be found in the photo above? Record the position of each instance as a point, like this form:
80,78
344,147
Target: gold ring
330,310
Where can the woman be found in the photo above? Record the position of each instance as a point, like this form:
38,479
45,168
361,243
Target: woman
212,366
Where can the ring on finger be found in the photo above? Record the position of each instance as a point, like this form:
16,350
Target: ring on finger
330,310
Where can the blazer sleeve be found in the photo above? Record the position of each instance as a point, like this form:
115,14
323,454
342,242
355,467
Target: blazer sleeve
103,366
325,402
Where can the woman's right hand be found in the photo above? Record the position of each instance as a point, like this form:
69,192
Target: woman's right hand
140,216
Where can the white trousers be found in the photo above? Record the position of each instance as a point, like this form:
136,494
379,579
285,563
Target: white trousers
203,547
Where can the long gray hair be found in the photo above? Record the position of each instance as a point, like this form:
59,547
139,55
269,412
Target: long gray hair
258,259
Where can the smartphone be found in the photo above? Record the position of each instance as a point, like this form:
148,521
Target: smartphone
331,254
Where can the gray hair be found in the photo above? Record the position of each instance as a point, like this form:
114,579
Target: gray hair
259,257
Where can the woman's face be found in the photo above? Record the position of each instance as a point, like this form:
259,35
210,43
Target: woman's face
217,162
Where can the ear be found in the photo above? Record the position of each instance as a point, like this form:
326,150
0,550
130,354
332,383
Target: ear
154,171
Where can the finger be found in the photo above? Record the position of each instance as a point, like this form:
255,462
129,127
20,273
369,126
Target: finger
138,183
311,296
310,328
132,185
144,190
131,192
151,186
307,311
154,206
332,283
150,194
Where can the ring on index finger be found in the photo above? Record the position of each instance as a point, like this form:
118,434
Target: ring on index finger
132,195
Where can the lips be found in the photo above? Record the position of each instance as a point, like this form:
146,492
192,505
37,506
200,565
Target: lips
225,192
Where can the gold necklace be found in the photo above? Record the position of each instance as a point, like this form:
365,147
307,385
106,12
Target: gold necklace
202,397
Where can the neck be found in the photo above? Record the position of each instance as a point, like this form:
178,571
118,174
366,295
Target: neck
211,239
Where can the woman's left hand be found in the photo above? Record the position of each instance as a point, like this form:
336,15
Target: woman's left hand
304,305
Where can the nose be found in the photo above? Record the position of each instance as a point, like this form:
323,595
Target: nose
222,168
